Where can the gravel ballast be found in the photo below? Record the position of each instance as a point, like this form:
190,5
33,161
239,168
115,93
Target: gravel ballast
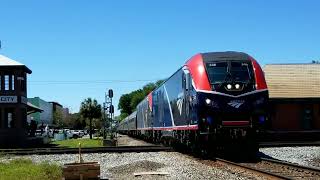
123,165
307,156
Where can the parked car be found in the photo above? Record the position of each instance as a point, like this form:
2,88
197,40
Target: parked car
81,132
77,133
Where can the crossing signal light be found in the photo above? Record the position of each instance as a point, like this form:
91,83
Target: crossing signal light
111,109
110,93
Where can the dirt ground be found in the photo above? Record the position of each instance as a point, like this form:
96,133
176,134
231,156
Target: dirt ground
124,140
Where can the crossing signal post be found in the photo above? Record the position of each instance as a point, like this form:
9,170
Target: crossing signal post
109,126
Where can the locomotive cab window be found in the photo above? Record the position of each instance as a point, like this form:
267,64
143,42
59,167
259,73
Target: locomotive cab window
240,71
217,72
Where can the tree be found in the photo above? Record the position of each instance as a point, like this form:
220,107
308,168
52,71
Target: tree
92,110
75,121
315,62
58,119
159,82
124,104
128,102
136,97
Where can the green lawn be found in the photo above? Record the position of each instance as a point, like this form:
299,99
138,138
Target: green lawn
74,143
24,169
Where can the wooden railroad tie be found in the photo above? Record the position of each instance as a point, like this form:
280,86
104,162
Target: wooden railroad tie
151,173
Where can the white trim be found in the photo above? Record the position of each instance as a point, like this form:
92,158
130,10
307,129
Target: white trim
5,61
223,94
170,128
165,89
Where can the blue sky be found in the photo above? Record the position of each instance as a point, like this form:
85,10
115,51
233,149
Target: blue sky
78,49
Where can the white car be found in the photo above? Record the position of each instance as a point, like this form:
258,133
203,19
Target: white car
81,132
77,133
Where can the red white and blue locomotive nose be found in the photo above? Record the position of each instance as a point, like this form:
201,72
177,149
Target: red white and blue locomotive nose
200,64
229,85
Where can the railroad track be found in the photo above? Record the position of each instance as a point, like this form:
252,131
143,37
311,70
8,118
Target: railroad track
275,169
289,143
118,149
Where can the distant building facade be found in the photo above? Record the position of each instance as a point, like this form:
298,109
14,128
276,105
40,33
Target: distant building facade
294,91
13,101
57,113
65,113
45,117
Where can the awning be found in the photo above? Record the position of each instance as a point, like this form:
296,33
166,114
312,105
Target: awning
32,108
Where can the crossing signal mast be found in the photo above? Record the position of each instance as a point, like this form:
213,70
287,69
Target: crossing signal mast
109,126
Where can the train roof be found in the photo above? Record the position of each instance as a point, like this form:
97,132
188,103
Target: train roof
132,115
227,55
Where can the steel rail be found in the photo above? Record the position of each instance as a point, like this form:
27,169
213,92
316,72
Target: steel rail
308,168
288,143
117,149
263,173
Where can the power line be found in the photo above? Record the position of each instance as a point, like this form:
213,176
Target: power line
75,82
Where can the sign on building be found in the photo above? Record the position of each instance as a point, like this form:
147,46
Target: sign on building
8,99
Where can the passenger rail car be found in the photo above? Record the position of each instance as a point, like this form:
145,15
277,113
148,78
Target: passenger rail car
128,124
215,98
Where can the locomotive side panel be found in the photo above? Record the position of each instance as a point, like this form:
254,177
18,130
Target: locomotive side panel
143,115
161,108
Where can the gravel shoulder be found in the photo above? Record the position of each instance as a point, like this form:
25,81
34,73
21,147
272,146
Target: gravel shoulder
177,165
307,156
123,165
124,140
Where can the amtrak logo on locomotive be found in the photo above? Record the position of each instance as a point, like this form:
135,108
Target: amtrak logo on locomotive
236,103
180,102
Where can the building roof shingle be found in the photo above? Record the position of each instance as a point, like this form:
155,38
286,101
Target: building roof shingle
293,80
5,61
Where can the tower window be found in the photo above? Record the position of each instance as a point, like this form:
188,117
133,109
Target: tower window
12,84
6,82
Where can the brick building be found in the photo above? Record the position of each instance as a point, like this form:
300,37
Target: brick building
13,101
294,91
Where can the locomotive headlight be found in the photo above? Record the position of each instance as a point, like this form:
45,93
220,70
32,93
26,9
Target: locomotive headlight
237,86
208,101
229,86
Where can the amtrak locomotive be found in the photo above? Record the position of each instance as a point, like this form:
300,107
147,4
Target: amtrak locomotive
215,99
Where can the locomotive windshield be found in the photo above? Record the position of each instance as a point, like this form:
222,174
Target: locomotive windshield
240,71
217,72
237,71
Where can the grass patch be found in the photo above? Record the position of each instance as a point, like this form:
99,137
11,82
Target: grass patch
74,143
25,169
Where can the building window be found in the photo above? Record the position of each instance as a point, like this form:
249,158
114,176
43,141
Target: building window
12,84
10,122
22,84
6,82
9,118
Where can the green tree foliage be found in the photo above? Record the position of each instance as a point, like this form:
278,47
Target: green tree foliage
75,121
159,82
90,109
128,102
315,62
136,97
124,104
58,119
